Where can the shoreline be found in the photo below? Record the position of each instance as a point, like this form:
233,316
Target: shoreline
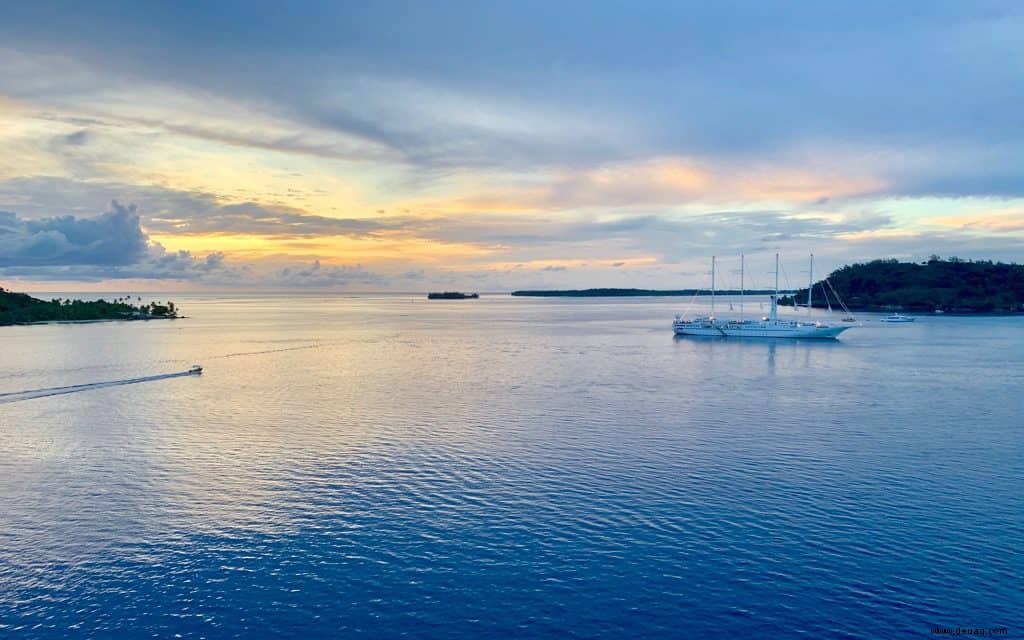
93,321
916,313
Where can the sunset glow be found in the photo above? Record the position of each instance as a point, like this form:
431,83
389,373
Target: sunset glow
420,165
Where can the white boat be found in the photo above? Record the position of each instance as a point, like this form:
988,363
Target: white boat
767,327
897,317
195,370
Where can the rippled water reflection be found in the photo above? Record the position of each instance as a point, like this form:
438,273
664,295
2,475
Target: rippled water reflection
504,467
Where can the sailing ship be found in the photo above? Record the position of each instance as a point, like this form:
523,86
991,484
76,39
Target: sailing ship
767,327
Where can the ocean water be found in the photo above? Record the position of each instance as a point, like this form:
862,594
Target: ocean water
385,466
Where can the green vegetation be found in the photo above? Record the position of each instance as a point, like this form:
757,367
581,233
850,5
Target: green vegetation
953,285
624,293
21,308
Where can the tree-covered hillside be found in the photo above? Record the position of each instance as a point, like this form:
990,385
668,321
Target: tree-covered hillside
20,308
949,285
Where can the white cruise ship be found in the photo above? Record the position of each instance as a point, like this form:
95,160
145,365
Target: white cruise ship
767,327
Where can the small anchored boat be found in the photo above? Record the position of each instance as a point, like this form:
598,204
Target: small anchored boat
897,318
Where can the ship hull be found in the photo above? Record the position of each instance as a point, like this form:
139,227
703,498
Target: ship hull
790,332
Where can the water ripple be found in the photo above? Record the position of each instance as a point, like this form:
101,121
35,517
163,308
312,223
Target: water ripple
384,468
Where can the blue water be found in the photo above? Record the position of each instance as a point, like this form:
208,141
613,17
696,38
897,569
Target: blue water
388,467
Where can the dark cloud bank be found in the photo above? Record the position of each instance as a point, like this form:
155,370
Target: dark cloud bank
111,239
111,245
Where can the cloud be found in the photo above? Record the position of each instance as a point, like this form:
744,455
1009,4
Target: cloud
38,196
177,211
156,265
317,276
257,219
437,92
676,180
668,234
271,134
496,137
999,221
111,245
78,138
582,248
113,238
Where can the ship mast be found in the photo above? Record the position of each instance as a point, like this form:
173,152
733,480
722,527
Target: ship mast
810,287
775,298
741,287
712,287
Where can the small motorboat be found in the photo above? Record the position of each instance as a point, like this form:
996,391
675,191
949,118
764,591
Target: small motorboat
195,370
897,317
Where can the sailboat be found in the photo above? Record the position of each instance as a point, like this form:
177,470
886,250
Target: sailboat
767,327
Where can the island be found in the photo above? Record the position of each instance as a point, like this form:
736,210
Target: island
950,285
21,308
452,295
626,293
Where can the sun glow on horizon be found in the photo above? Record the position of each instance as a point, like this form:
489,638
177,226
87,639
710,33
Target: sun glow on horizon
217,164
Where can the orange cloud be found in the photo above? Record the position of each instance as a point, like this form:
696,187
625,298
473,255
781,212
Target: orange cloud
790,185
8,106
876,234
560,263
659,181
1004,221
385,247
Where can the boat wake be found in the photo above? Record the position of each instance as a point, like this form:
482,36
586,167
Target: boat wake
259,353
18,396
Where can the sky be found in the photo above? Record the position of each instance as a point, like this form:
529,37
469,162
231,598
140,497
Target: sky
489,146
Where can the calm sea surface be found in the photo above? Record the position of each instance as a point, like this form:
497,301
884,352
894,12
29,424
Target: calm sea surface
385,466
